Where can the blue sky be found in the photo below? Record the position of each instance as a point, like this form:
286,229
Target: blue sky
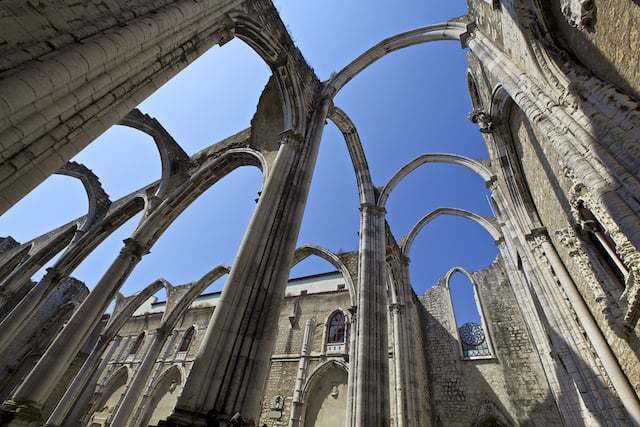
409,103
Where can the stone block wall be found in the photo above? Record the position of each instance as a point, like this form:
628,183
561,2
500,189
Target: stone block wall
510,387
286,355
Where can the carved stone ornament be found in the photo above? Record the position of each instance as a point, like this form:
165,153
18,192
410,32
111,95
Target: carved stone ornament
579,13
276,408
482,119
627,306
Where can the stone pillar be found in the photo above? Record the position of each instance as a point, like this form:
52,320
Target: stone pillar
371,388
79,383
136,387
22,313
620,382
296,404
231,369
24,407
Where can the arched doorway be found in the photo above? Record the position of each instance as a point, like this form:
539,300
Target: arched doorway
163,398
326,397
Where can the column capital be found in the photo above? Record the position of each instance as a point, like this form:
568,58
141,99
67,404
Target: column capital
468,35
134,248
53,274
372,208
537,236
291,136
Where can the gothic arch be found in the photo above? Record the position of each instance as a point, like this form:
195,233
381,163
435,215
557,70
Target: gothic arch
313,385
110,395
306,251
42,250
451,30
162,390
98,198
479,308
366,189
347,326
484,222
175,162
126,306
212,170
276,57
456,159
176,306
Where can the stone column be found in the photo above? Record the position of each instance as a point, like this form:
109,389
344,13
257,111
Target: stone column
79,383
296,404
231,368
24,407
19,317
620,382
371,388
136,387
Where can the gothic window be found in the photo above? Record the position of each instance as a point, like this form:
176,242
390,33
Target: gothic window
337,329
187,338
603,245
137,343
472,333
336,333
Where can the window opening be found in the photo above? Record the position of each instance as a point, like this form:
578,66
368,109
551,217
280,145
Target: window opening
474,341
603,244
187,338
137,344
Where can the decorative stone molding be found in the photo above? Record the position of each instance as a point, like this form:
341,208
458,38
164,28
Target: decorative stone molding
483,120
622,311
579,13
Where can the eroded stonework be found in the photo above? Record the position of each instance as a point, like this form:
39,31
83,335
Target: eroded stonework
554,90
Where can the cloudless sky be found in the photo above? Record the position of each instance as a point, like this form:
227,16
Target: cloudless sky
411,102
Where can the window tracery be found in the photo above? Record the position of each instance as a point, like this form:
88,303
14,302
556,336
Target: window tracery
472,334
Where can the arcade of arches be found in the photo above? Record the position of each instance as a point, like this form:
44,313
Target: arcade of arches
555,340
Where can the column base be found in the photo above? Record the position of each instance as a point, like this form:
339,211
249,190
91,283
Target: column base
16,414
187,418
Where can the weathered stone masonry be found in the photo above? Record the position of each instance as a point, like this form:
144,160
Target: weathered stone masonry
554,91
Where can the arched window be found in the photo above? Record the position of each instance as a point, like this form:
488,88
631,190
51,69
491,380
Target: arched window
137,343
187,338
467,311
604,246
337,329
336,338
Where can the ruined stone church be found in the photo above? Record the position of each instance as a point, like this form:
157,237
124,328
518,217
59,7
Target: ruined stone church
554,89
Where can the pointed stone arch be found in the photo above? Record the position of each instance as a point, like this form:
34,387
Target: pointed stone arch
485,222
317,393
110,396
456,159
452,30
175,162
366,189
488,349
163,395
306,251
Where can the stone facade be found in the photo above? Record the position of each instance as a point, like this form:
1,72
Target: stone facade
554,92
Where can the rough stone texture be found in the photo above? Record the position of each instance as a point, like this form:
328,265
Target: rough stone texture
23,353
554,92
512,382
610,47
